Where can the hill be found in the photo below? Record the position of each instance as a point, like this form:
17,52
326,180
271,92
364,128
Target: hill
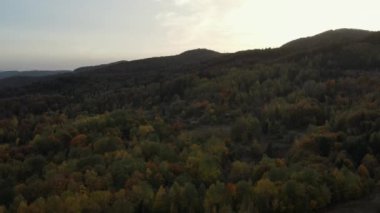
157,64
289,129
34,73
328,38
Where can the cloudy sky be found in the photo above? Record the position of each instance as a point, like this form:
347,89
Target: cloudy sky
56,34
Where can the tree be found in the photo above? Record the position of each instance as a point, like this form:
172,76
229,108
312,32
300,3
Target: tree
46,144
35,164
216,198
244,201
107,144
216,147
142,196
371,163
54,203
265,195
191,199
101,198
6,192
161,201
245,129
240,171
121,205
38,206
363,171
175,195
294,197
209,169
79,140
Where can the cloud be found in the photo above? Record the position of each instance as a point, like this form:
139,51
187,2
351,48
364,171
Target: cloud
198,23
181,2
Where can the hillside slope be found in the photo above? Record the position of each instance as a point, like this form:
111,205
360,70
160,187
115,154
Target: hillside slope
273,130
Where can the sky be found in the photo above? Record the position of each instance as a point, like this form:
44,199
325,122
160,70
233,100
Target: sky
56,34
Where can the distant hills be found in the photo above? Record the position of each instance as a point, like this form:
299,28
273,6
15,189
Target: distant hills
202,59
333,49
34,73
181,61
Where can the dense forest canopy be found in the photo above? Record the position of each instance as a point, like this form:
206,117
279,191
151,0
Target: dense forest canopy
291,129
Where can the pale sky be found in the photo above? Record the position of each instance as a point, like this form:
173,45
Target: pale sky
66,34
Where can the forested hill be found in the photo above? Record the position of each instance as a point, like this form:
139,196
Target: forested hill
289,129
191,57
328,38
33,73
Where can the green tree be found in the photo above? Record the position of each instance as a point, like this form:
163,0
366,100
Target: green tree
245,129
265,195
161,201
216,198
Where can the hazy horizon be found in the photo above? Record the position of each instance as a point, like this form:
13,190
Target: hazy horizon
47,35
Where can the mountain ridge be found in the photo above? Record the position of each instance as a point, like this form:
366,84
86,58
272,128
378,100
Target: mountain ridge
329,37
31,73
209,61
322,40
186,57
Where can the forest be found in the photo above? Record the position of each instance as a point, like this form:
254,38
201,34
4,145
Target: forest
288,129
